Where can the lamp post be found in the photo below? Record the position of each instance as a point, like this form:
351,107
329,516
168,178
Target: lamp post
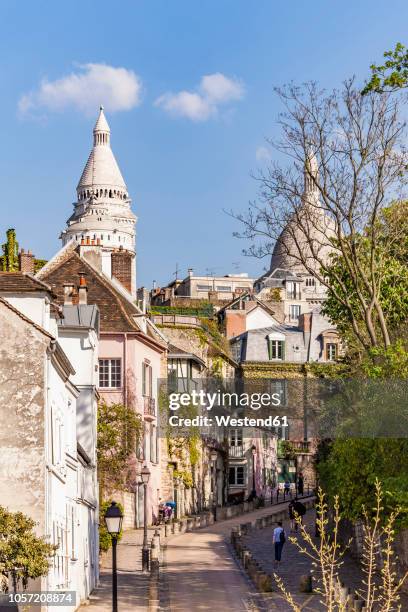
214,456
113,521
253,449
145,475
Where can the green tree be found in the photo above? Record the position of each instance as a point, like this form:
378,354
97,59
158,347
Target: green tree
349,469
391,272
119,433
345,161
392,74
10,250
23,555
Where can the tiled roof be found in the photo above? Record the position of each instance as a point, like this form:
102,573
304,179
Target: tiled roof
11,282
117,313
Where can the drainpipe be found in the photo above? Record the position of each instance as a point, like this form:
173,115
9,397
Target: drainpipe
47,439
124,369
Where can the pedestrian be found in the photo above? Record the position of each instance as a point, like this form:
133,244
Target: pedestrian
286,487
300,484
293,523
300,510
279,539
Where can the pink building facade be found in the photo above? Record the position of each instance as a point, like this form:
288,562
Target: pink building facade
129,369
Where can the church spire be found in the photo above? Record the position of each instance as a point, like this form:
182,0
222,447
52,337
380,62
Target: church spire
101,130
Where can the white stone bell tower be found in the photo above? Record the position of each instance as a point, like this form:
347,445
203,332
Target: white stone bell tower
102,214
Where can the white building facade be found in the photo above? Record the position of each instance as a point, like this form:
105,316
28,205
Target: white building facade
48,465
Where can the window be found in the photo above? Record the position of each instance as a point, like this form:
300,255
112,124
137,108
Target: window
236,437
153,443
110,375
331,351
146,379
224,288
146,442
294,312
203,287
293,290
276,349
236,350
310,282
236,475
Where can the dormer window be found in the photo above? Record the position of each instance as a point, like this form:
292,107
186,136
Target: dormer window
276,347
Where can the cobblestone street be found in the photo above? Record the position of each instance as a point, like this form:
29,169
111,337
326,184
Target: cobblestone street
294,565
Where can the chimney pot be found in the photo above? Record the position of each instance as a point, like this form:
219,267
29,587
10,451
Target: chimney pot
87,240
82,289
82,241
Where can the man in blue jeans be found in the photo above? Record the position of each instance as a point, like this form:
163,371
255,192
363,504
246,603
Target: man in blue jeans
279,539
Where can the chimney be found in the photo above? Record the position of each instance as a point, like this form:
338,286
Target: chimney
190,272
26,262
68,294
305,321
122,262
82,289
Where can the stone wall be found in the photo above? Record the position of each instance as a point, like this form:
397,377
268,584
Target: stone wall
22,399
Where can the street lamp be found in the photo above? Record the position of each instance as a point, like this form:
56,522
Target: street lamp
113,521
214,457
253,449
145,475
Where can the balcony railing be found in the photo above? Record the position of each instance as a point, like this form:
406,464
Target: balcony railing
236,451
150,406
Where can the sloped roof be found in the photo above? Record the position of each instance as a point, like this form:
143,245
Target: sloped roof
22,282
80,315
117,312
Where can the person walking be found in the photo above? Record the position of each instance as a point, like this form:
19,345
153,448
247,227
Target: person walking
300,484
286,488
279,539
291,509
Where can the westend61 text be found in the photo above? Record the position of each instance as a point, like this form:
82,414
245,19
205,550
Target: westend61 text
206,400
228,421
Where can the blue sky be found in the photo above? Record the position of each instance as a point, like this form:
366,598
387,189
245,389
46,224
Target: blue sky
181,171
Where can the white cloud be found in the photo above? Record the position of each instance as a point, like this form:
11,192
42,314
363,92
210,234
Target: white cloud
118,89
213,91
263,154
